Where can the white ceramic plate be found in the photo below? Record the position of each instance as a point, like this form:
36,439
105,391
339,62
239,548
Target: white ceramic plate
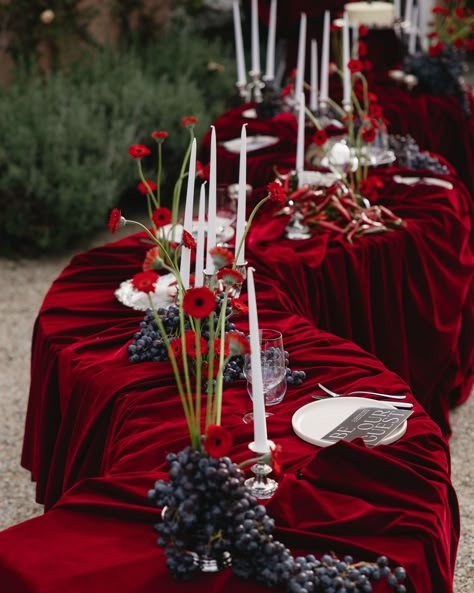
313,421
253,143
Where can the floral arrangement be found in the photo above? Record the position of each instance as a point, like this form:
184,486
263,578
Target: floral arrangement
211,519
440,70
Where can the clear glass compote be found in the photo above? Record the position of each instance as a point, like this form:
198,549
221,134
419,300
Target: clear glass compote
273,362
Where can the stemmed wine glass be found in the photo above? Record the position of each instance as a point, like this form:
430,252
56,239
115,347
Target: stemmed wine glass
273,360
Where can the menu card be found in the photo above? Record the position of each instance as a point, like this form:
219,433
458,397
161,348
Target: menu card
371,424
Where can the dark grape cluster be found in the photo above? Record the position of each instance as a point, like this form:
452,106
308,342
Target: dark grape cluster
207,511
148,346
440,75
409,155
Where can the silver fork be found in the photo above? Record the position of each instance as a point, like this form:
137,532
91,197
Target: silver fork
334,394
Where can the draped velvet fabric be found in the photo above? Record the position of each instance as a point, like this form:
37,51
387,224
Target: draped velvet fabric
99,428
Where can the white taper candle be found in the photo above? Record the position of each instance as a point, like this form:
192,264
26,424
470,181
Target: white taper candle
346,53
239,45
211,204
255,38
324,84
242,197
188,216
301,59
301,134
198,273
261,443
270,68
313,95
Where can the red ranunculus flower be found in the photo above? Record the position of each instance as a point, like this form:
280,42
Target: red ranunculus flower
217,347
191,346
199,302
230,277
439,10
143,189
362,49
277,192
188,121
153,260
238,306
202,171
368,134
159,135
355,66
145,281
275,457
116,220
138,151
375,110
221,256
363,31
161,216
435,49
319,137
188,240
238,344
218,441
176,348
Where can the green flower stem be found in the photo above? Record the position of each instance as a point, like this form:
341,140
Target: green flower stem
158,174
145,182
336,107
179,182
170,266
210,373
222,361
247,226
183,347
313,119
188,409
198,377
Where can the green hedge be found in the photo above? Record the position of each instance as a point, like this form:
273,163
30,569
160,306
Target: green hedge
64,139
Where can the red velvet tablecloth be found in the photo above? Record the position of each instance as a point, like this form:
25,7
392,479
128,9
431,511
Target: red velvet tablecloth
99,428
406,296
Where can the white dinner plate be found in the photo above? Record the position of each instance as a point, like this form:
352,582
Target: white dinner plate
316,419
253,143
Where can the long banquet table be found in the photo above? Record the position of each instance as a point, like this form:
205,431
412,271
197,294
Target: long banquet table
99,428
388,292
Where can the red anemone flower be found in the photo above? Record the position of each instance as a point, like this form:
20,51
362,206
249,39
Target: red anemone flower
355,66
145,281
199,302
159,135
188,240
221,256
116,220
230,277
191,344
188,121
238,344
161,217
144,188
138,151
319,137
217,441
277,192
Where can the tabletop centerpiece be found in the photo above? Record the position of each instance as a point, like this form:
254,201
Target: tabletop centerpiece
440,68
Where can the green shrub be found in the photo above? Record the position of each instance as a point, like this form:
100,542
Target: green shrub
64,139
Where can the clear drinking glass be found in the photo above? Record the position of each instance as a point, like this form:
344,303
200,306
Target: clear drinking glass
273,362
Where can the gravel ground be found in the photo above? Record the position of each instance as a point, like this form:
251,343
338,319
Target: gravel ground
24,285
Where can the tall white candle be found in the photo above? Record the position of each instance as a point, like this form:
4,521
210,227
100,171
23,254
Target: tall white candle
301,134
413,31
355,41
396,9
255,38
239,45
313,95
301,59
198,273
188,216
346,52
408,9
324,84
261,444
212,204
270,68
242,197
